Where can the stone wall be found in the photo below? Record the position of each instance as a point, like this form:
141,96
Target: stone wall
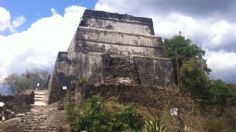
99,47
136,70
18,103
96,40
154,71
60,77
117,22
120,38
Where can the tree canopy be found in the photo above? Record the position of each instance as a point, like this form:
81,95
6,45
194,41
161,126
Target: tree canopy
182,48
191,71
27,80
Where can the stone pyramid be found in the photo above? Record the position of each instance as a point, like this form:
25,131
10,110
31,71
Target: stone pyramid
112,49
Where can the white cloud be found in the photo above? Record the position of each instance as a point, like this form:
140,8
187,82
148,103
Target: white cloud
223,65
38,46
216,35
53,11
5,19
18,21
7,23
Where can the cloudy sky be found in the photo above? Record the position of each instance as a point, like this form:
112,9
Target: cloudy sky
32,32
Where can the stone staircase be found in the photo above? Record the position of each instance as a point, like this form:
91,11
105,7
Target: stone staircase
40,98
37,119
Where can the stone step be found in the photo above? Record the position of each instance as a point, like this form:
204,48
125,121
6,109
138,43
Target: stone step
40,93
40,103
35,113
38,107
34,118
40,99
43,101
40,96
35,124
37,110
32,124
38,129
29,130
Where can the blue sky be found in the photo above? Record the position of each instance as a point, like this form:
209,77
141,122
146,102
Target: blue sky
33,31
33,10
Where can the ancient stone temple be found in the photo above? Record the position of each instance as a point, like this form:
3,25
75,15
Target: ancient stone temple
111,50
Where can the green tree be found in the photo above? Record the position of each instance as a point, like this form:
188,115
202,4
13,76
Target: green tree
28,80
180,50
194,79
191,71
221,93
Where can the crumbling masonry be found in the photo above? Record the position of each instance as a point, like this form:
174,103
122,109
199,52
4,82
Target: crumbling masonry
112,51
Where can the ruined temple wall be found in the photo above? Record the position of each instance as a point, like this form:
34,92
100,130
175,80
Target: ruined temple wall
117,22
62,63
143,71
115,16
112,49
99,68
60,77
94,40
126,50
100,35
154,71
87,66
126,27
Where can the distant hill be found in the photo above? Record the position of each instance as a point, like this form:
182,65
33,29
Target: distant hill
4,90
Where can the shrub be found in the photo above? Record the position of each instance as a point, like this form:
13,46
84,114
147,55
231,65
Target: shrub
154,125
95,116
220,92
70,111
194,79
